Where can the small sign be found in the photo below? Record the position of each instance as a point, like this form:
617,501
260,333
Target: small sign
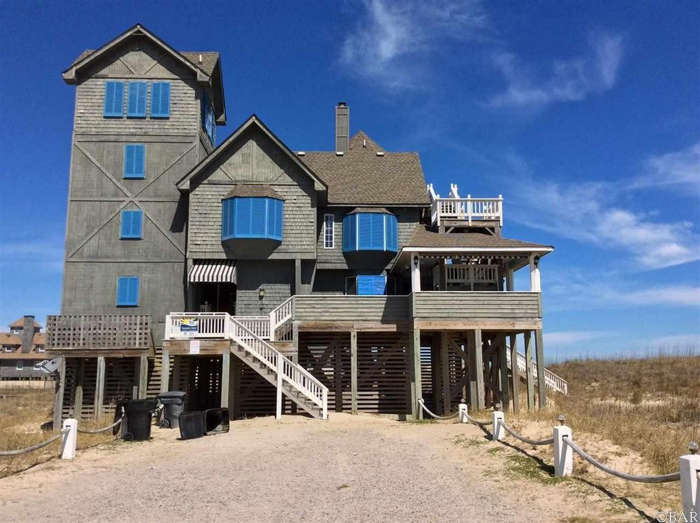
189,325
194,346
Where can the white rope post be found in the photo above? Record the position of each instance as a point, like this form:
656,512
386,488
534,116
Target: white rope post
498,420
463,412
563,455
690,483
70,438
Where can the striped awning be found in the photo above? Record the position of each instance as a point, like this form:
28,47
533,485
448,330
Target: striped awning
213,271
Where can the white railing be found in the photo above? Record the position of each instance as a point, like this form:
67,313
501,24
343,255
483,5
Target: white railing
281,315
462,274
467,209
186,325
260,325
292,373
551,380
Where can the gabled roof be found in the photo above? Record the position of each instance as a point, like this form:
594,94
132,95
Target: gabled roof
10,339
207,71
253,121
360,176
424,238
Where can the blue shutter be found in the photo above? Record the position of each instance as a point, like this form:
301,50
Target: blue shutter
127,291
259,217
242,218
377,232
134,160
280,219
227,221
364,229
136,106
371,284
350,232
114,99
160,100
391,228
131,224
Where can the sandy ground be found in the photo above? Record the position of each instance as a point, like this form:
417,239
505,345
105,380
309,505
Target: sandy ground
347,469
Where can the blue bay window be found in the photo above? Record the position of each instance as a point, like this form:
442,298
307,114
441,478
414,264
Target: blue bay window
131,225
114,100
368,231
252,217
371,284
127,291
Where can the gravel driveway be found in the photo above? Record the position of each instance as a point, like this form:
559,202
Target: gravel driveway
351,468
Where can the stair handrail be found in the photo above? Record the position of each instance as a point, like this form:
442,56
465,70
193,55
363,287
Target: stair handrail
293,373
281,315
553,380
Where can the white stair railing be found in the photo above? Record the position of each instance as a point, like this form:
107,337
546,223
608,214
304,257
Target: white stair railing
551,380
298,377
281,315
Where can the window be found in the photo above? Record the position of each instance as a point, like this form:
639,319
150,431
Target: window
252,217
208,121
365,231
160,100
20,365
135,161
114,100
131,226
328,231
127,291
136,106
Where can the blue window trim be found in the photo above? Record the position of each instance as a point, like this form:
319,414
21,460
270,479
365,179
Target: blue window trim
127,291
160,100
136,100
113,99
252,218
135,161
131,224
370,232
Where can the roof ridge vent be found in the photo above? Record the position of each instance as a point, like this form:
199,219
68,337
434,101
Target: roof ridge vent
380,153
201,59
339,153
301,153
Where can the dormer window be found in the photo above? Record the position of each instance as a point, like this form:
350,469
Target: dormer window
370,230
252,212
208,120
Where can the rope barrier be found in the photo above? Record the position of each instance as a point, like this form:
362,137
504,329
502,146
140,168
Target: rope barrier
480,423
34,447
104,429
435,415
510,431
676,476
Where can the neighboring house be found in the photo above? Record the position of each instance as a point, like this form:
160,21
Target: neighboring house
22,350
378,291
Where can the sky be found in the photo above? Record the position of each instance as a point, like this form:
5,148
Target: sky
585,116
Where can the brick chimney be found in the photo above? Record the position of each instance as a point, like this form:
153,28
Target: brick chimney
342,127
27,333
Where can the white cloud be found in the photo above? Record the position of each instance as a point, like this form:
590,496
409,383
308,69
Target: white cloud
590,212
569,80
392,40
679,169
564,338
46,253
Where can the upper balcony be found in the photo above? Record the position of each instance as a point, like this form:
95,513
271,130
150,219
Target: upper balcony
455,211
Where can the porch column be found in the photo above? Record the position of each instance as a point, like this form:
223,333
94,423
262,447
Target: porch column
541,388
509,279
415,374
225,379
504,392
164,370
79,382
297,276
528,371
353,371
415,273
535,273
234,388
445,370
143,376
99,386
436,372
479,370
515,371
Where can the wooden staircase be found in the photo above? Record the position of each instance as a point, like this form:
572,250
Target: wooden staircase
552,381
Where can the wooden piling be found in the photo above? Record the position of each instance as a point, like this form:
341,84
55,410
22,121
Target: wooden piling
353,371
528,371
479,370
99,387
515,372
541,386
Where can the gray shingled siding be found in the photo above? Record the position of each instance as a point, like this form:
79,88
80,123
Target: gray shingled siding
96,256
256,161
275,277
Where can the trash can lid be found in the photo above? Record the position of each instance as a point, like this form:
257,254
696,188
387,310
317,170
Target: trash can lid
172,394
141,405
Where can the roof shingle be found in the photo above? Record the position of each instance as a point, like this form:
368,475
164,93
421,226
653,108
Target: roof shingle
424,237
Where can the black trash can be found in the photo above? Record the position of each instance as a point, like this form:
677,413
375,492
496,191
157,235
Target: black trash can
216,421
191,424
138,419
173,404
